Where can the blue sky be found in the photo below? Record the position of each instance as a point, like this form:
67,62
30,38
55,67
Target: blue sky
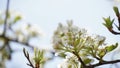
48,13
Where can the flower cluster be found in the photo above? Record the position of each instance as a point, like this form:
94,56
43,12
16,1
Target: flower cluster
67,37
76,41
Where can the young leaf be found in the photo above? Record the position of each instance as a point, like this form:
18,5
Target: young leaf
108,23
102,53
77,42
112,47
116,11
87,61
17,18
62,54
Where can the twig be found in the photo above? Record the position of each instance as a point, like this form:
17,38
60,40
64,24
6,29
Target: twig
106,62
28,58
94,65
114,32
80,60
6,17
14,40
24,43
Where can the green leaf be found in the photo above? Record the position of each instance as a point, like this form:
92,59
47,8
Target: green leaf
102,53
62,35
62,54
17,18
87,61
112,47
116,11
38,56
77,42
108,22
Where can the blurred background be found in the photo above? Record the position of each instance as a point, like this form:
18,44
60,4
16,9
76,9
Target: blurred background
46,14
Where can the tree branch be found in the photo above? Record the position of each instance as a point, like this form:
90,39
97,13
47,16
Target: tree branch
23,43
6,17
7,39
80,60
119,22
114,32
106,62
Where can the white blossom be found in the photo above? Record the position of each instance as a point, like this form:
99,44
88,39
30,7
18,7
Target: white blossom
70,61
